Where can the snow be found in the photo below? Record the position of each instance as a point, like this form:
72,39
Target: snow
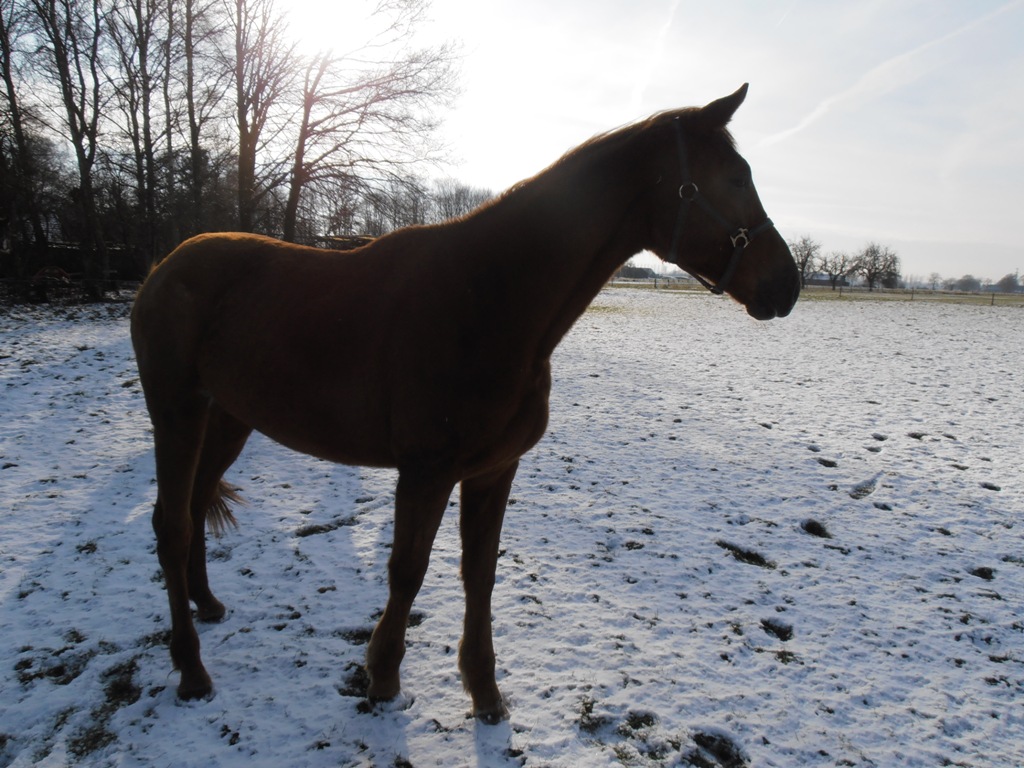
795,543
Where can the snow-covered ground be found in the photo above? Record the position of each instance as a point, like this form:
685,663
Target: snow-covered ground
797,543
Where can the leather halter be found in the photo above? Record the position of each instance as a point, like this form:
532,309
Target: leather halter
689,194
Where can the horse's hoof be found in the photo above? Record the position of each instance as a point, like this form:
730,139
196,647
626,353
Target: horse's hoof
195,687
379,691
210,612
397,703
491,715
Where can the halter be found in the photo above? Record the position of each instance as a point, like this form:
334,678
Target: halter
689,193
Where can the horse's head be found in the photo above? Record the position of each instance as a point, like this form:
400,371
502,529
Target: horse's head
709,220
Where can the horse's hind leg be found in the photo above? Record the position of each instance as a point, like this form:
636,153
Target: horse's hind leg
178,430
419,506
483,501
223,442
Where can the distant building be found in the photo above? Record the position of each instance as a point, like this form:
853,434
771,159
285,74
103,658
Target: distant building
629,272
819,278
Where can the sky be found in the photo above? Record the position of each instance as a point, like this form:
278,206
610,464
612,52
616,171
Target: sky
894,121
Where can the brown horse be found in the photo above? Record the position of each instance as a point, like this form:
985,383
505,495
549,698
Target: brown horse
427,350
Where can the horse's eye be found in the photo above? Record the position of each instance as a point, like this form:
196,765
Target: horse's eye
741,182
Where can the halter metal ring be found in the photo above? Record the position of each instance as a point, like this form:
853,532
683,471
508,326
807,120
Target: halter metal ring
688,191
741,239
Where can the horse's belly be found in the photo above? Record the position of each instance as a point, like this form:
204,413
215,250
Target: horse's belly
313,415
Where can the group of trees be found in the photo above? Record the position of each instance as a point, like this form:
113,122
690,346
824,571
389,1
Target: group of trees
136,123
878,265
970,284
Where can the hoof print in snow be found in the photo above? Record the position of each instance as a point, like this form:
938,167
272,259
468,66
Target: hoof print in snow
746,555
828,463
356,636
316,529
814,528
984,572
991,487
863,489
356,682
716,750
777,629
637,723
589,722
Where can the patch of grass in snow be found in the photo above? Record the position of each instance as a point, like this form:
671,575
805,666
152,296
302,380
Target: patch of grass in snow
119,690
744,555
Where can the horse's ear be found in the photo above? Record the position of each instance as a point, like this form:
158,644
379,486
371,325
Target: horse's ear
718,113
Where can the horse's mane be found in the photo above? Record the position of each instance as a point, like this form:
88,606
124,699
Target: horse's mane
594,145
616,136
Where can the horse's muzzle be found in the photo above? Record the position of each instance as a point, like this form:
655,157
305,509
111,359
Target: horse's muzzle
775,301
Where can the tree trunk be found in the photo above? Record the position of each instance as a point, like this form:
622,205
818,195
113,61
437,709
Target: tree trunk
246,140
75,49
196,170
25,182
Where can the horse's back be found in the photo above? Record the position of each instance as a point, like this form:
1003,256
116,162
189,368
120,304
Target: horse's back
285,338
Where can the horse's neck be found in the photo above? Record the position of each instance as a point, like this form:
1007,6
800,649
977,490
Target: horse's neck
563,235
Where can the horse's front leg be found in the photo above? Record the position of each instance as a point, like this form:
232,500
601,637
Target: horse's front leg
482,511
419,506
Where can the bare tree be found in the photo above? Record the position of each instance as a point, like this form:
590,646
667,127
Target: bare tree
453,199
133,29
20,187
878,265
935,280
836,265
204,85
805,253
189,115
263,67
366,115
71,30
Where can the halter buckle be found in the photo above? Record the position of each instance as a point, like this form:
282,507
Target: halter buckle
741,239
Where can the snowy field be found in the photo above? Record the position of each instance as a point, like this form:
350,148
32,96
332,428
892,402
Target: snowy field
797,543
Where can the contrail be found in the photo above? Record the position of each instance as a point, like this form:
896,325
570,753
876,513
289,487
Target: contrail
787,13
885,77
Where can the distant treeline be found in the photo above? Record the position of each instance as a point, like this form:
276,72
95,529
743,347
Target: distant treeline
879,266
127,126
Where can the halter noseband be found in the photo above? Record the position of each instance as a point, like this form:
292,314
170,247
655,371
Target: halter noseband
689,193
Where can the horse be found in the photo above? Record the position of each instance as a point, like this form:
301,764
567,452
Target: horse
428,351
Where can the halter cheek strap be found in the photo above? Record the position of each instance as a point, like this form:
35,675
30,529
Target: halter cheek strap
689,194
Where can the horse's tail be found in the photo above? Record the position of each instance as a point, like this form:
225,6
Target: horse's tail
219,515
